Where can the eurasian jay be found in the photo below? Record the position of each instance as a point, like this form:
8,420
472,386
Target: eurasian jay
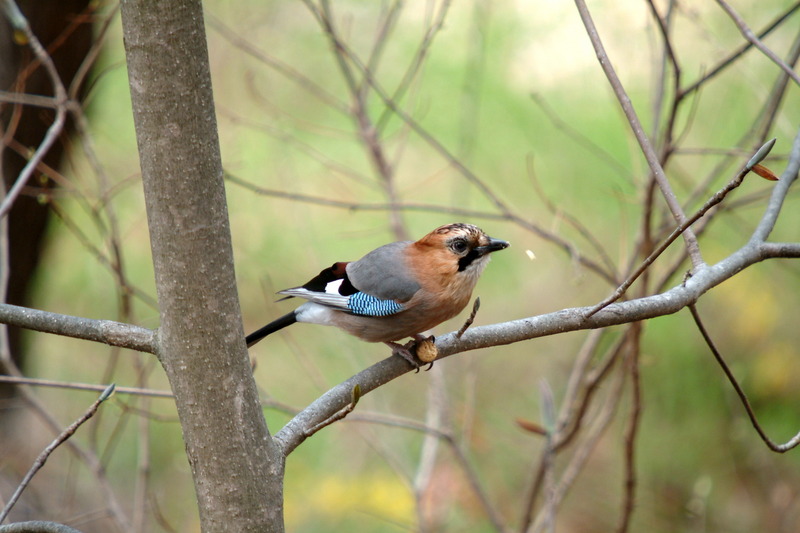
396,291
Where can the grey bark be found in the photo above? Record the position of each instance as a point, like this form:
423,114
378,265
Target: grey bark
236,467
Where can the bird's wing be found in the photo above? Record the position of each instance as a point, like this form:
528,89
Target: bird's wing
333,286
359,303
383,273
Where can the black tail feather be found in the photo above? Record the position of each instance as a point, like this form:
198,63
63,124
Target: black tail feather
272,327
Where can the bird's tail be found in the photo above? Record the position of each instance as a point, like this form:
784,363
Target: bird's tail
272,327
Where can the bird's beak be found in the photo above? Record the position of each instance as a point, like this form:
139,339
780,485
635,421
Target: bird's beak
493,246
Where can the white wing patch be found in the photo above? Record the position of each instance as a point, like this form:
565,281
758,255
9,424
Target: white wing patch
333,286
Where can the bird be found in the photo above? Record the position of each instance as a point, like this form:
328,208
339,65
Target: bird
396,291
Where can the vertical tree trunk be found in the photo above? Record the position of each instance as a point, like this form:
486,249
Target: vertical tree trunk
236,466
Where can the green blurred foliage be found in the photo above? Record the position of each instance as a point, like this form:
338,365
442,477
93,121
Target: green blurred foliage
701,466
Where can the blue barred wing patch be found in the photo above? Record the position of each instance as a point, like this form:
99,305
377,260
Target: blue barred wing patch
363,304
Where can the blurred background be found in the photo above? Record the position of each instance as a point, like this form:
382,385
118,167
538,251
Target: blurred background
325,163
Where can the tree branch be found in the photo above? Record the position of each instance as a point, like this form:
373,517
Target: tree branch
105,331
20,24
42,458
714,200
37,526
772,445
736,54
638,131
779,193
748,34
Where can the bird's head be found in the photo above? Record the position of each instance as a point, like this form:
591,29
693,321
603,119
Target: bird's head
465,246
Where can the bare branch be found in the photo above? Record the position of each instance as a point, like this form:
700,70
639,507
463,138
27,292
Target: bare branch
631,432
559,241
714,200
748,34
729,60
638,131
37,526
779,193
36,382
42,458
600,421
289,72
20,24
104,331
772,445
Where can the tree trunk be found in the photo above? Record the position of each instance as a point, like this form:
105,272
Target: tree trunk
237,468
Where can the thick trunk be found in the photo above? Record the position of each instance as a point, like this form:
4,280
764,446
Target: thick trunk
237,469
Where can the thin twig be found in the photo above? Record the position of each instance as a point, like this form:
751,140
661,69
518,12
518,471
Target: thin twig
548,456
470,318
40,460
339,415
629,492
748,34
581,139
583,384
34,100
477,487
780,448
89,458
367,131
599,423
416,62
37,382
729,60
638,131
435,418
573,221
711,202
759,130
668,57
506,215
234,37
20,23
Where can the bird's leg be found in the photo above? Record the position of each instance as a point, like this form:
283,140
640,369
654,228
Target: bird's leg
404,351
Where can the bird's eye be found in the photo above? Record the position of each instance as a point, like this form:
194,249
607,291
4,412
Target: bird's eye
459,246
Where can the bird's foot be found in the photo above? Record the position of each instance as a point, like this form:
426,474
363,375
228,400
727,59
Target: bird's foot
417,352
405,351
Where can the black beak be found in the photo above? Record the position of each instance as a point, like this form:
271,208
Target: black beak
493,246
